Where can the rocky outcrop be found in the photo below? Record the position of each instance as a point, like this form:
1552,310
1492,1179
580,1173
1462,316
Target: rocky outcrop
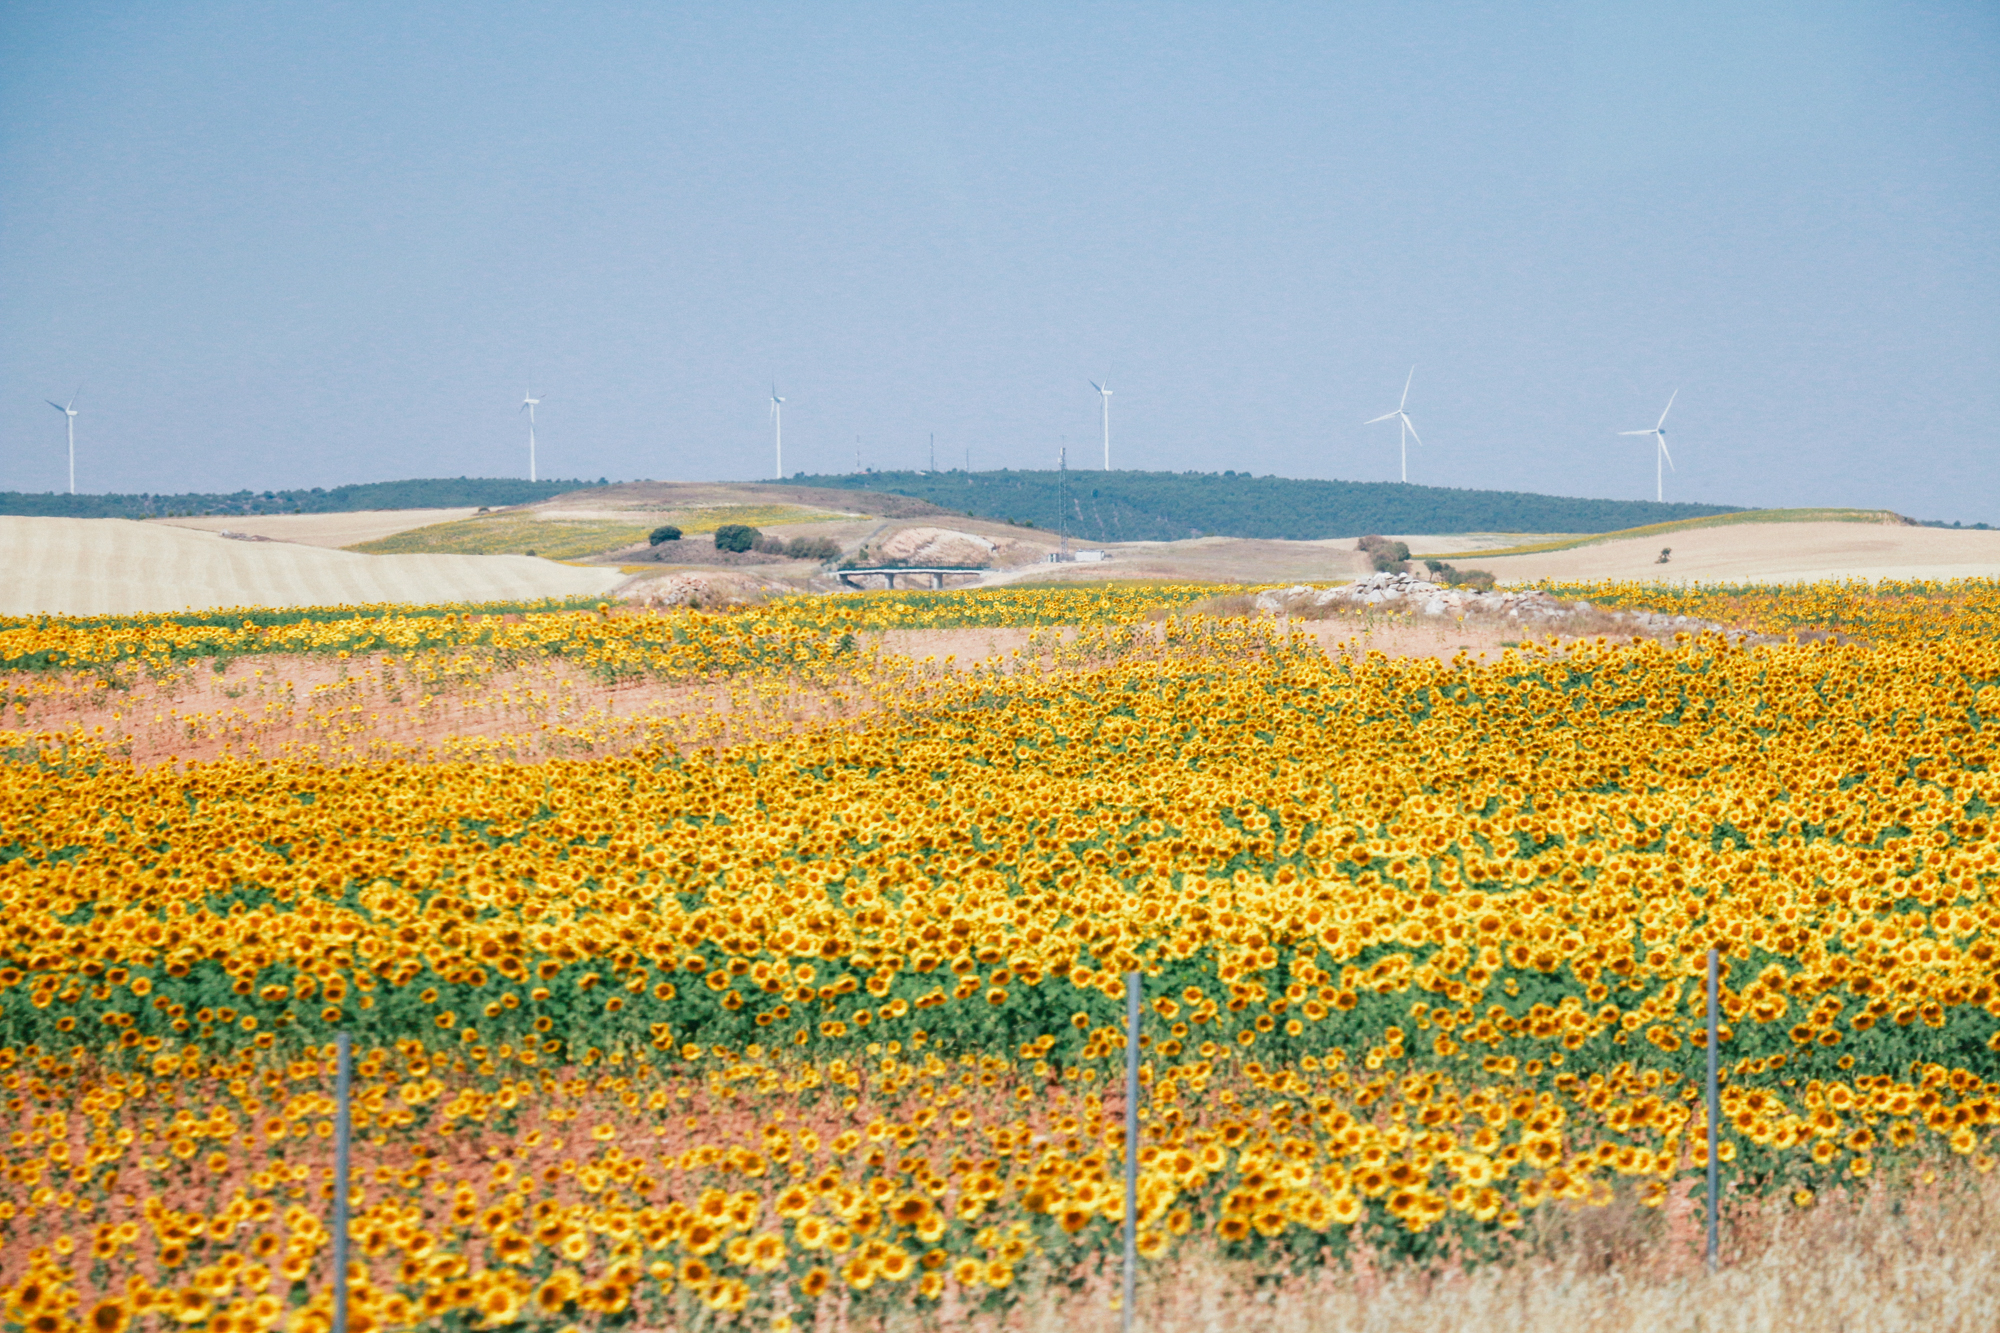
933,546
1411,594
698,590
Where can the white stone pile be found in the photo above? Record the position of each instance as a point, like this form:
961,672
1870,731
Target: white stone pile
696,590
1413,594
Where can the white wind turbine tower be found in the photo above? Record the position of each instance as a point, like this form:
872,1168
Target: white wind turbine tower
528,404
1659,434
778,431
1105,395
69,412
1407,432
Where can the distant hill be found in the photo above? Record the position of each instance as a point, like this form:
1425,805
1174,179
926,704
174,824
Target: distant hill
1171,506
429,493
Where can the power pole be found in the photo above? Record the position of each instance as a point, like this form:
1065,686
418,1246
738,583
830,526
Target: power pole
1134,994
1062,496
343,1129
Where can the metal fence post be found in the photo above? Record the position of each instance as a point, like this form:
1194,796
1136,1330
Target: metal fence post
1714,1109
343,1058
1133,987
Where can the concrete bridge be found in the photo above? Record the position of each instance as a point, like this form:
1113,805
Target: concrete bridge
889,573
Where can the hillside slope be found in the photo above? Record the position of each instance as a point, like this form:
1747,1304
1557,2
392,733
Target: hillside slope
1171,506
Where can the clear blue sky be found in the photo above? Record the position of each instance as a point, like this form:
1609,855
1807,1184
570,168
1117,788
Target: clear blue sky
296,245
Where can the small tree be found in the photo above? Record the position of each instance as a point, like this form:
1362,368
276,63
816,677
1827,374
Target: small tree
736,537
666,532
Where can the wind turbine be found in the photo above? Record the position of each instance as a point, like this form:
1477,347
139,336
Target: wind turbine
69,413
1659,434
1105,394
1407,432
778,430
528,404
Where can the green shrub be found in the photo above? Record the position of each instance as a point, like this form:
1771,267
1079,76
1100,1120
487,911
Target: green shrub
736,537
813,548
1388,557
666,532
1478,579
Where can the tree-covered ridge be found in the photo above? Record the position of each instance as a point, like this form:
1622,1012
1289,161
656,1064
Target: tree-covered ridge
423,493
1170,506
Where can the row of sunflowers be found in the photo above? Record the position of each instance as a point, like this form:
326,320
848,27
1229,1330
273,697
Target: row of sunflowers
836,1016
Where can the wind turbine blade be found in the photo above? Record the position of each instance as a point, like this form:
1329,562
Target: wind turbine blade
1664,454
1386,416
1635,432
1406,387
1095,385
57,406
1668,408
1413,429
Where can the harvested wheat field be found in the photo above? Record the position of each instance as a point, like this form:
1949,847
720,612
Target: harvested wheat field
1733,552
1760,553
91,567
329,530
768,969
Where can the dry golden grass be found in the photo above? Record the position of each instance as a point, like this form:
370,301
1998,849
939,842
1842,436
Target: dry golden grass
1904,1256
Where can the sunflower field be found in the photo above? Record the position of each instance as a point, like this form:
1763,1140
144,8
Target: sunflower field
831,1021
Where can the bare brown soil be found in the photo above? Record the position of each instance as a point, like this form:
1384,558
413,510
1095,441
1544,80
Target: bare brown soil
319,709
315,709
